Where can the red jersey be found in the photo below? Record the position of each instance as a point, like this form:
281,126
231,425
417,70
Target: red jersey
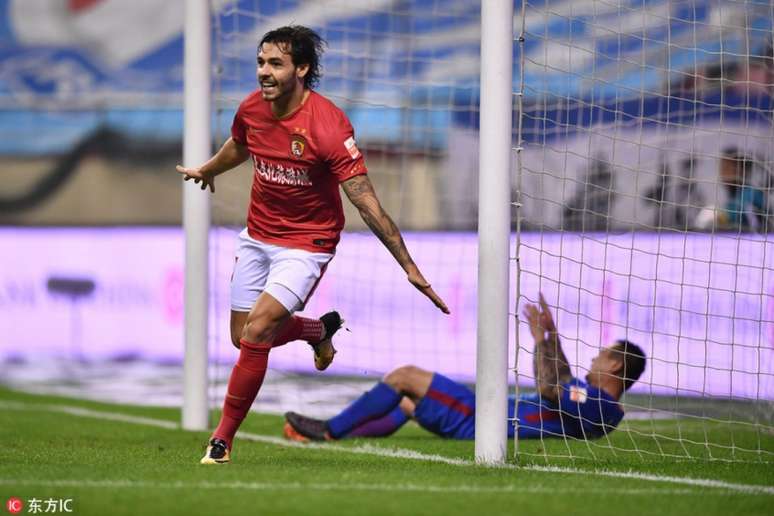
298,163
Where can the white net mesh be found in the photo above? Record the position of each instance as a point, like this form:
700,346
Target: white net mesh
645,185
642,123
395,68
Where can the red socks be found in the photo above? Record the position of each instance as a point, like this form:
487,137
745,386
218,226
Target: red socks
247,376
243,386
300,328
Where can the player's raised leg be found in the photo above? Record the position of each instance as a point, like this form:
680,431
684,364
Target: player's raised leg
388,424
292,279
317,332
382,400
260,328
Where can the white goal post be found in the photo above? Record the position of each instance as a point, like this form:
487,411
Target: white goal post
197,145
494,229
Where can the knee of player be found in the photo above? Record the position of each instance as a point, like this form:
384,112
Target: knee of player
400,378
258,330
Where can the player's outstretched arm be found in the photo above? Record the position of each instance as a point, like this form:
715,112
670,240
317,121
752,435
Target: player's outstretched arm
361,193
551,367
229,156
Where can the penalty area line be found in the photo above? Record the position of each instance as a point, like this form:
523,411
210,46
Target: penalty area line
397,453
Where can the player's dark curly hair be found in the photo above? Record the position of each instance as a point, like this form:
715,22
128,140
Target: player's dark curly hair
633,361
305,47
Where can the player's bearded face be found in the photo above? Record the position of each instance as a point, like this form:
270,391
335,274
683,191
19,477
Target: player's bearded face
277,75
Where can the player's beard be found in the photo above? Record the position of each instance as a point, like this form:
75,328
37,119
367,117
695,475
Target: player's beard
277,91
272,92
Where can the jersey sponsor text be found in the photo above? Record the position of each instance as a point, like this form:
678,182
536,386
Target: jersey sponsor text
281,175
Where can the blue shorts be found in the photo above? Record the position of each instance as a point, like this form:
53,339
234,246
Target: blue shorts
448,409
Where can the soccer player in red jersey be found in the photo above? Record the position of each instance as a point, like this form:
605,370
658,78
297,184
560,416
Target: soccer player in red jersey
302,148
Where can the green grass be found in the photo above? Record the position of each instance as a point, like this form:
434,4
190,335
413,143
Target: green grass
113,467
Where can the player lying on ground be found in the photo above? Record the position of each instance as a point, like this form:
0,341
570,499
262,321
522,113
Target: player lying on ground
302,148
562,406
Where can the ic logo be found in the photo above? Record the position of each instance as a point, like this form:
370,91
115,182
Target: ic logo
14,505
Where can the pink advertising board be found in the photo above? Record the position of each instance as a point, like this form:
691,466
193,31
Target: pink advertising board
701,306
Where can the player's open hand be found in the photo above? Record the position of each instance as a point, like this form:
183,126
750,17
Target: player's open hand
198,177
415,278
532,315
539,319
546,319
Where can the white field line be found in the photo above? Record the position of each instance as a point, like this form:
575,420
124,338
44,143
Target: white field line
411,454
398,453
397,487
84,412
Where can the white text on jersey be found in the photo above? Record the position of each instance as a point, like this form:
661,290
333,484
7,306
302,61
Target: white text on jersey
281,175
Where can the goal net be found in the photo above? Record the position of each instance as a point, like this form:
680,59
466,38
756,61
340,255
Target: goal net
400,71
645,191
641,205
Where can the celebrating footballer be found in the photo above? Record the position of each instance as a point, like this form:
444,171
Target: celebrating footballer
302,148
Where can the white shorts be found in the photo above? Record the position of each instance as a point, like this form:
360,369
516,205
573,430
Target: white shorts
288,275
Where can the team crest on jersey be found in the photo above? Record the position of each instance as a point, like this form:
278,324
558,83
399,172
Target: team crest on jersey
297,145
578,394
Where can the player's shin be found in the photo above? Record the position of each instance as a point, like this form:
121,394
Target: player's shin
377,402
381,427
243,386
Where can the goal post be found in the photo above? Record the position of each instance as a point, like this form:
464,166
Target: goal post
494,227
196,213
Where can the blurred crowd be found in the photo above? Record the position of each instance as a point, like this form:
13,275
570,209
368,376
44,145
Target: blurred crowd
751,78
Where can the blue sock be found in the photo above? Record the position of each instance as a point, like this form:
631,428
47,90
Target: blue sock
381,427
371,405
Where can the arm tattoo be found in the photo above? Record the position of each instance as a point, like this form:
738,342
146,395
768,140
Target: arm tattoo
551,367
361,193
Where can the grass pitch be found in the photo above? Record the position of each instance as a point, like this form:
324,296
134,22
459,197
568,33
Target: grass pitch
114,459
